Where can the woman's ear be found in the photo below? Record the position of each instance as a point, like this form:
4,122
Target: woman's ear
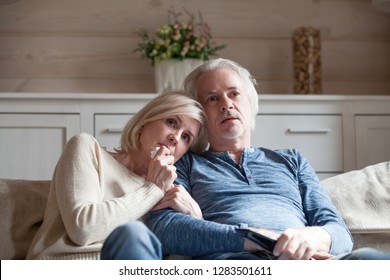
140,131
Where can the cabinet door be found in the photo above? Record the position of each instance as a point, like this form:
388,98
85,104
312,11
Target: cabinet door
108,129
30,144
372,140
317,137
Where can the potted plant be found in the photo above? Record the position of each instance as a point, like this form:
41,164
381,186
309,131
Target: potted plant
177,48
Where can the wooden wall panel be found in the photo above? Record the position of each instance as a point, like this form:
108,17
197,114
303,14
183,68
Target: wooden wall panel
86,45
228,18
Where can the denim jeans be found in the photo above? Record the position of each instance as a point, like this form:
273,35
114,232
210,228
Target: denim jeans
131,241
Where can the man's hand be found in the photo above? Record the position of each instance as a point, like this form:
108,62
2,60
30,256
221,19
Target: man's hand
303,244
296,244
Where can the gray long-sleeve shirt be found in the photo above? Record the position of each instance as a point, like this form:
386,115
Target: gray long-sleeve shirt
274,190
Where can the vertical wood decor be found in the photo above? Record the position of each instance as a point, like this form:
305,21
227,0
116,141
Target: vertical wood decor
87,45
307,60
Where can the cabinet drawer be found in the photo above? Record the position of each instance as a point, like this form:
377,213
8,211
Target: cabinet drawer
372,140
317,137
108,129
31,144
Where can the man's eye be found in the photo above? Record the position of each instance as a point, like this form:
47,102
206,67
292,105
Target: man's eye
211,99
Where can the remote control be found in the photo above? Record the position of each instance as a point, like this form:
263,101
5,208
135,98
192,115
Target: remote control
265,242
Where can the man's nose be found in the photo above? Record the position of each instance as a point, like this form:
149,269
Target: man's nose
226,104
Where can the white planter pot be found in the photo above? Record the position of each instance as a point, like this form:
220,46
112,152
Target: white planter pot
170,73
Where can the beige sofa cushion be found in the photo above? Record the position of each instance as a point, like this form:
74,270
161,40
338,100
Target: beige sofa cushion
22,205
363,199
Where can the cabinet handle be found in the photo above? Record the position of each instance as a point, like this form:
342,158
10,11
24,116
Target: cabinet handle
114,130
318,130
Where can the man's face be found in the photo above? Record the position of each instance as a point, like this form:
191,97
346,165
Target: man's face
227,107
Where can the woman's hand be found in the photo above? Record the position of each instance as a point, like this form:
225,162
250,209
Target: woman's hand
161,170
180,200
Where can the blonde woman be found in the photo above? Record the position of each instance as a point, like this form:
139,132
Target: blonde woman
94,191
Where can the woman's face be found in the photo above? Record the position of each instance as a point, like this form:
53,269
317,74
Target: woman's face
175,133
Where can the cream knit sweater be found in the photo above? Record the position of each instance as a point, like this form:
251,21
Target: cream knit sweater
90,195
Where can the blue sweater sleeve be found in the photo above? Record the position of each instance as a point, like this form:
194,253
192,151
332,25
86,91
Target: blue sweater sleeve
319,209
181,234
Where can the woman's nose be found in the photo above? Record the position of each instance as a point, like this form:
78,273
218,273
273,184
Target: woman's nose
172,138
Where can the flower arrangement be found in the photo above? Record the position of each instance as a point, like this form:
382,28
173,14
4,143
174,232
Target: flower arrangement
179,39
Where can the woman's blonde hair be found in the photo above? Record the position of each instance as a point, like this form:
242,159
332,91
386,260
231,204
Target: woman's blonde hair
168,104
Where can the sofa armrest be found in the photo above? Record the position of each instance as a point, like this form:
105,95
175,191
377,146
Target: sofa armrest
363,200
22,206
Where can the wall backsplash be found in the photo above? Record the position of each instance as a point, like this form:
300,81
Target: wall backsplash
87,45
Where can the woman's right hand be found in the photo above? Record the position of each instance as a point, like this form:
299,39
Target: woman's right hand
161,170
180,200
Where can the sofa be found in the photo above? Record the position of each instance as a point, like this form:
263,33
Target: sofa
361,196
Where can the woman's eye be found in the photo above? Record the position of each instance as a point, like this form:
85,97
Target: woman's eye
171,122
186,138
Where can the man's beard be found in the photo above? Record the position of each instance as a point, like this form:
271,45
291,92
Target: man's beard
233,133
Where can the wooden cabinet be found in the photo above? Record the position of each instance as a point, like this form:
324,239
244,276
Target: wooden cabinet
336,133
372,139
317,137
32,143
108,129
